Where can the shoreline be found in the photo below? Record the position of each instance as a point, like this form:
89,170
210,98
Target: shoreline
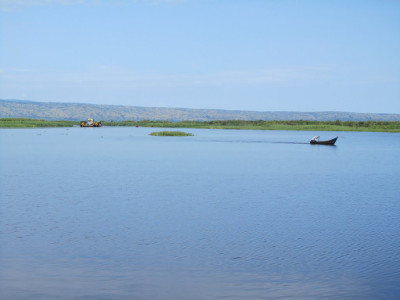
297,125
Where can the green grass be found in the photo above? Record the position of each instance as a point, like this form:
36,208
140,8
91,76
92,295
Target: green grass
171,133
370,126
32,123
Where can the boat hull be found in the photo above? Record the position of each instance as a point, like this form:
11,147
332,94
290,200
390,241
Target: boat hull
329,142
90,124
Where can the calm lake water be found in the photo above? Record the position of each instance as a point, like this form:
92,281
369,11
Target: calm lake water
113,213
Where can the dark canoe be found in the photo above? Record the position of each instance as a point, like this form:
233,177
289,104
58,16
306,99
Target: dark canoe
330,142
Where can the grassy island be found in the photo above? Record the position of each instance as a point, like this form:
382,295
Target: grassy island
370,126
171,133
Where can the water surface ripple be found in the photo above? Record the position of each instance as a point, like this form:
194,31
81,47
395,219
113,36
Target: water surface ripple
113,213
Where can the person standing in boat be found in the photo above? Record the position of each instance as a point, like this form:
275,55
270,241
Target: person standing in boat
315,138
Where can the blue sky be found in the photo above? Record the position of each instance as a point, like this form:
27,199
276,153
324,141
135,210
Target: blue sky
263,55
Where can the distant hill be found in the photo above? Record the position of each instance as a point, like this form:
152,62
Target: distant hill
82,111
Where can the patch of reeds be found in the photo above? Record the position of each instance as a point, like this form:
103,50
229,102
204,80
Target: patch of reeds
32,123
170,133
371,126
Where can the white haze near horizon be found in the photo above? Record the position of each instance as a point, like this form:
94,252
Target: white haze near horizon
234,55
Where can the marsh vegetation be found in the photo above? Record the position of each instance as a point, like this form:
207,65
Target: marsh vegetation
170,133
370,126
32,123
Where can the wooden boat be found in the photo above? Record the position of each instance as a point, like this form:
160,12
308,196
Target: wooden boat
91,123
315,141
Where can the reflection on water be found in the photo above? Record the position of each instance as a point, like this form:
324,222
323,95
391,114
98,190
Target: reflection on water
112,213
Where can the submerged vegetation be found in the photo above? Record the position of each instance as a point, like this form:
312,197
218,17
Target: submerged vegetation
371,126
171,133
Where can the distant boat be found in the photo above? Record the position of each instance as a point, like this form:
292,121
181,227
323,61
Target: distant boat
91,123
315,141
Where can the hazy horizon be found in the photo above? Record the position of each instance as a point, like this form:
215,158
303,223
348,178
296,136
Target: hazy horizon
188,108
231,55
